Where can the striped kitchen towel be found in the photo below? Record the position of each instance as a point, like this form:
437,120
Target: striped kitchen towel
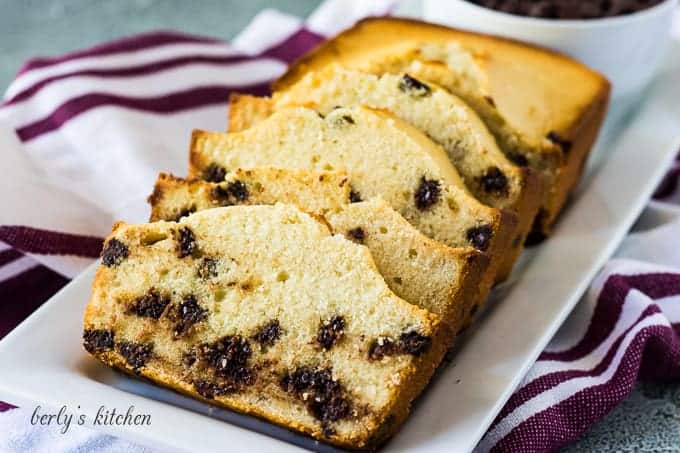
84,135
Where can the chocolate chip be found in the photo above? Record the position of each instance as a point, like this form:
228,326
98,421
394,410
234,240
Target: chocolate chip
495,181
183,213
342,120
135,354
228,357
97,340
210,390
357,234
238,190
490,101
187,242
410,342
186,314
328,430
559,141
188,359
413,86
114,252
354,196
427,194
150,305
230,193
268,334
380,348
207,268
214,173
480,237
414,343
326,398
518,159
567,9
221,195
331,332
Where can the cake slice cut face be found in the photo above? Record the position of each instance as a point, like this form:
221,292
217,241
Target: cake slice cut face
382,156
261,310
544,108
449,288
444,118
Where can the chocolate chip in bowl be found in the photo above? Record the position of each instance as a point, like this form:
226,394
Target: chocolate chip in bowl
625,40
568,9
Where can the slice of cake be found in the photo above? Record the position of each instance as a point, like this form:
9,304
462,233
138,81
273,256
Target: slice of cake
261,310
382,156
544,108
487,172
315,192
449,287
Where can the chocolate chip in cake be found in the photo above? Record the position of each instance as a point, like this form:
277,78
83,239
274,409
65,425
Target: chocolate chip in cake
207,268
342,120
114,252
150,305
411,342
210,390
187,242
135,354
413,86
228,357
183,213
325,397
518,159
97,340
427,194
230,193
328,430
480,237
268,334
489,100
357,234
214,173
568,9
354,196
331,332
186,314
238,190
559,141
414,343
494,181
380,348
220,195
188,359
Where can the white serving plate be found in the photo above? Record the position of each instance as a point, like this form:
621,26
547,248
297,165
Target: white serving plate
44,363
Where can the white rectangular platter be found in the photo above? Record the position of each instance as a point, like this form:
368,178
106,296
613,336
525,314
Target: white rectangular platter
44,363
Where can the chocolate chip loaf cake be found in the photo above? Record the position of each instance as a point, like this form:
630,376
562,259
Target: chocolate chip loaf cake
401,253
261,310
544,108
382,156
444,118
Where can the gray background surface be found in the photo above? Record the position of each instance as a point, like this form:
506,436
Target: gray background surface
648,421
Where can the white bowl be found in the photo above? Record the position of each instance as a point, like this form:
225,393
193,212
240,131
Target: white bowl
626,49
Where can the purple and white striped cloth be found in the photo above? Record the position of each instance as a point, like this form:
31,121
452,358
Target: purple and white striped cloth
84,135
